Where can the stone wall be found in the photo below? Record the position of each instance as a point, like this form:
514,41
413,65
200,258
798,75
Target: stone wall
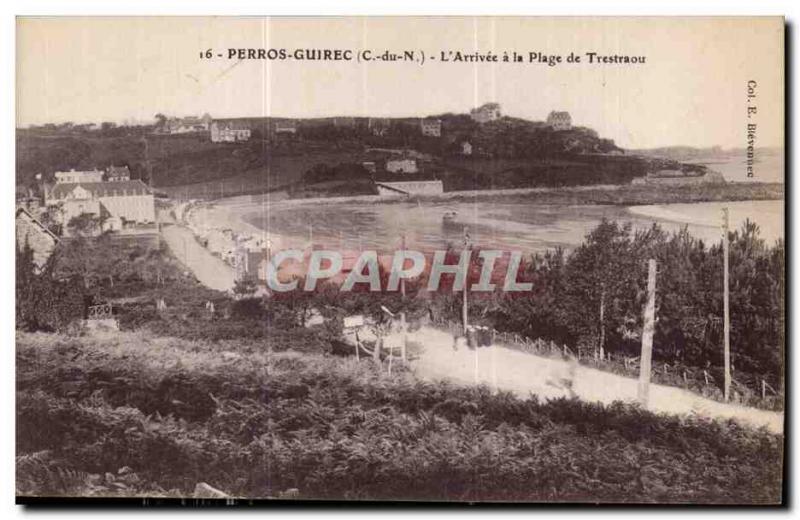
411,187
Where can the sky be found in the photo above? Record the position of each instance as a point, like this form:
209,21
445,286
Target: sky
691,90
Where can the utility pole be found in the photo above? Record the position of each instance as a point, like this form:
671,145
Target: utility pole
403,313
647,334
464,310
726,303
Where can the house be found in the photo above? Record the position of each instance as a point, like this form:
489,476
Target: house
189,124
431,127
379,126
118,202
402,165
251,264
39,238
466,148
118,173
229,132
251,257
485,113
559,121
285,127
79,176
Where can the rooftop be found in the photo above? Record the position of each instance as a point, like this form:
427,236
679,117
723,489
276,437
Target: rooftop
102,189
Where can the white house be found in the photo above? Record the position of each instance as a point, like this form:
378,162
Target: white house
118,173
118,201
559,120
485,113
285,127
79,176
229,132
402,165
189,124
431,127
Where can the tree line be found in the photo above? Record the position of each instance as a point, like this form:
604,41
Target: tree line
593,297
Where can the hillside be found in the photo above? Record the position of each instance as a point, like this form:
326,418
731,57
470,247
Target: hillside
177,160
506,153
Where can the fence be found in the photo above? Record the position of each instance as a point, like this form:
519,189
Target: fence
756,392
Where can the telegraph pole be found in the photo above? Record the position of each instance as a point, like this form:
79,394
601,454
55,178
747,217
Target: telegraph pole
464,308
726,302
647,334
464,311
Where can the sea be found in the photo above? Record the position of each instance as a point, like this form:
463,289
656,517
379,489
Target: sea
525,227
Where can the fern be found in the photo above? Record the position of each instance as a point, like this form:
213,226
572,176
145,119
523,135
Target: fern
39,474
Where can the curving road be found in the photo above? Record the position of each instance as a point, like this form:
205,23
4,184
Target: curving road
209,270
525,374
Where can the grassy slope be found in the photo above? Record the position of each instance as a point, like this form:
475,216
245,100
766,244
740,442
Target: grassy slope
136,414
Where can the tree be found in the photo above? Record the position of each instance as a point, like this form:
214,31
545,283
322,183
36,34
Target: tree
85,225
244,288
43,301
601,277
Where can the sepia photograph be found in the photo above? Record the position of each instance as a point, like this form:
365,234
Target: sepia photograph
366,259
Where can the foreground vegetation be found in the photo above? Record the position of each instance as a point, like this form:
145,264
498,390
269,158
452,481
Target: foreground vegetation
134,414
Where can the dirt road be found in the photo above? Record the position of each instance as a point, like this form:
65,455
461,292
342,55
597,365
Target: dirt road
525,374
207,268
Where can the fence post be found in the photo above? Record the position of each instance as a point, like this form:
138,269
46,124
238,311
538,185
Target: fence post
705,376
763,389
